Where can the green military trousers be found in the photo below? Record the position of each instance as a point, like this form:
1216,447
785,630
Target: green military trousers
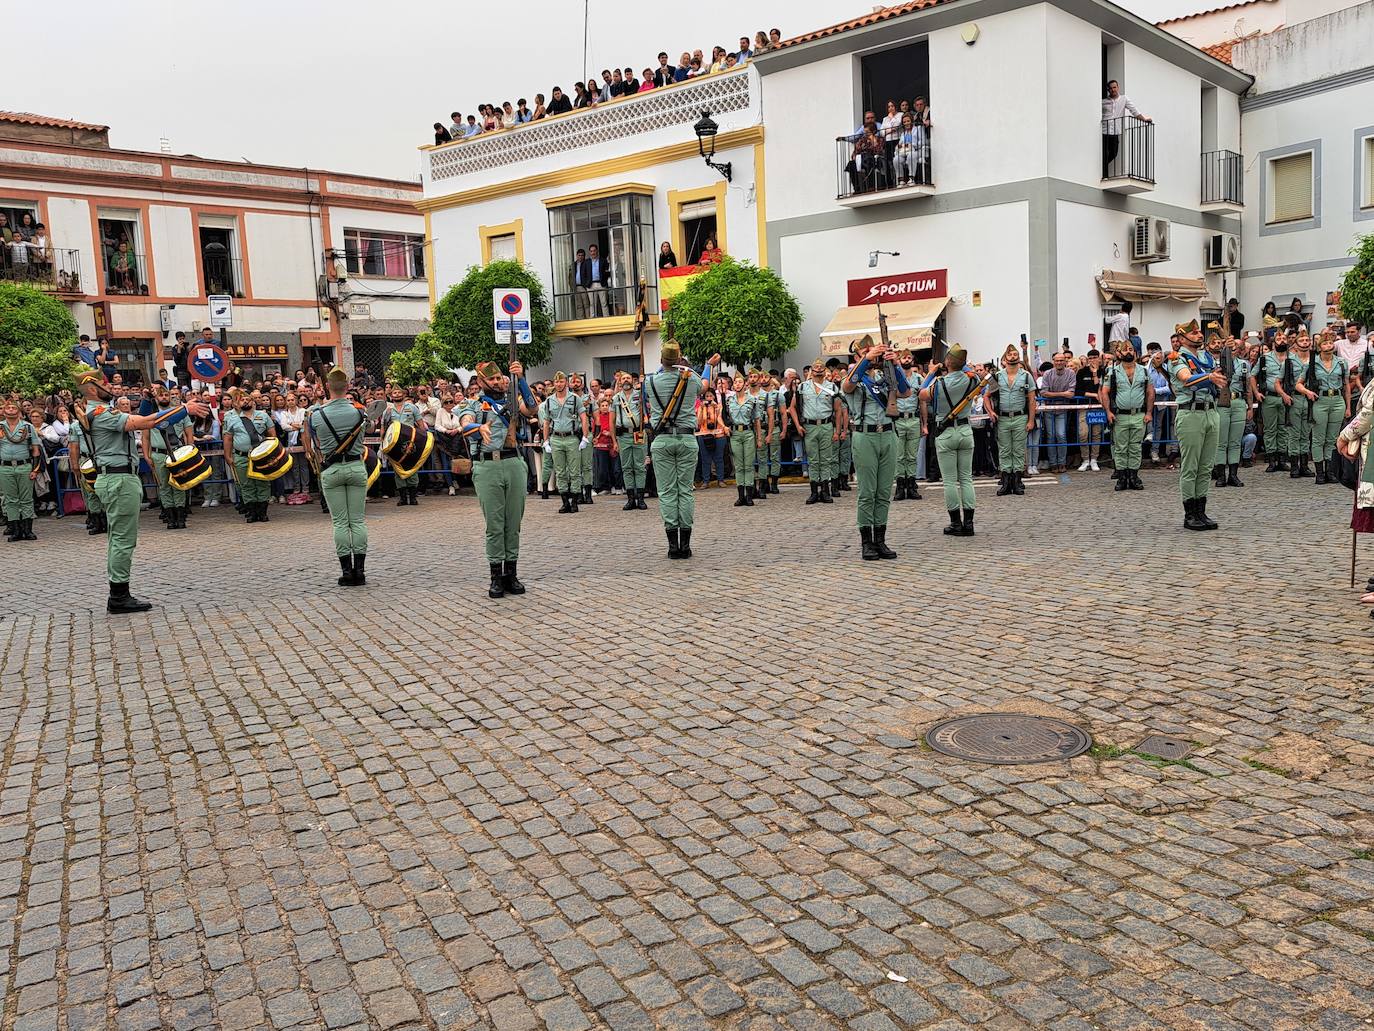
17,489
631,461
954,452
1275,415
742,449
820,452
251,491
1128,431
909,442
1328,416
167,495
875,465
1011,443
1197,444
121,494
345,490
1230,429
675,463
1299,426
770,455
567,464
500,488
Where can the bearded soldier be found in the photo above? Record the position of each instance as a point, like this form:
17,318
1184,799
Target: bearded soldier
1014,416
670,396
1197,381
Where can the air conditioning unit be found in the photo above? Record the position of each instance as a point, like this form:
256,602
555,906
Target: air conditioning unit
1223,252
1150,241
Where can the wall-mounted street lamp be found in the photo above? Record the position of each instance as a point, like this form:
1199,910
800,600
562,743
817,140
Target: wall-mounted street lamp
706,144
873,257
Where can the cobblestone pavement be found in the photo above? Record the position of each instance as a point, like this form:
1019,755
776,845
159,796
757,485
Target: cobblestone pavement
654,794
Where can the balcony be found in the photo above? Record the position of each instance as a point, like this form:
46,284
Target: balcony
222,275
1128,155
881,174
56,270
1223,178
126,273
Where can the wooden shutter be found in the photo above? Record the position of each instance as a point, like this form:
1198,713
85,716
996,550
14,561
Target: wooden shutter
1292,187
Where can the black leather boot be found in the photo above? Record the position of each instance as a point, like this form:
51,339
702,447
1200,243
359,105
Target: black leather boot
346,568
826,499
870,553
956,523
102,523
899,491
1191,520
1135,480
544,492
567,503
498,584
359,570
674,545
1207,521
913,490
511,581
968,523
880,543
815,493
401,500
1123,481
1295,467
629,505
759,493
587,496
121,600
739,497
1272,467
1218,476
1305,471
1321,473
1003,484
639,500
773,485
1233,477
1017,487
28,530
684,536
263,517
572,500
748,497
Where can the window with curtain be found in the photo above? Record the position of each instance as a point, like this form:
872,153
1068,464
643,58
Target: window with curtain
1292,188
372,253
1368,201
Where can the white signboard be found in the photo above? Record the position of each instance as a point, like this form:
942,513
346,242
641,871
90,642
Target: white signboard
221,310
511,309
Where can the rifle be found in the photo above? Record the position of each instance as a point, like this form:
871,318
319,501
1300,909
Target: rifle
891,407
1288,384
641,324
1228,368
944,423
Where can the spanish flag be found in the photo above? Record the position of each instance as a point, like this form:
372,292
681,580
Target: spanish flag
672,281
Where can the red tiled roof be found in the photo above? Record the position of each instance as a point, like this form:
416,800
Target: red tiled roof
29,118
1221,51
1214,9
868,19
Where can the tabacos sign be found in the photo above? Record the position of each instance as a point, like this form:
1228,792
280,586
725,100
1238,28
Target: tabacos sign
908,286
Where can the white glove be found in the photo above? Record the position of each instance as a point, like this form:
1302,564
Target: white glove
583,445
548,447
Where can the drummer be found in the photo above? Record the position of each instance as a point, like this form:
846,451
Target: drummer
409,414
244,429
159,446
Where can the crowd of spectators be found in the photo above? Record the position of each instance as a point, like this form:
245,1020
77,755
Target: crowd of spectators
891,152
612,84
26,252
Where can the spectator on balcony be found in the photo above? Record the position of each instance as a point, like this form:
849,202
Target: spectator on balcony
492,120
523,113
473,129
581,97
540,111
1115,108
26,228
731,62
666,257
84,352
508,119
684,68
761,44
1294,316
743,53
630,85
907,153
590,276
19,254
1235,321
717,58
664,74
646,81
124,266
711,254
455,126
559,103
441,135
618,85
867,160
775,38
6,232
696,70
606,90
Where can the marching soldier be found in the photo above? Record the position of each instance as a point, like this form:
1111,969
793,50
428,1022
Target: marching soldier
1013,414
1231,418
950,395
670,396
910,435
409,414
1270,374
158,448
584,450
244,430
1197,381
78,450
745,437
1330,404
1128,397
869,390
334,441
499,471
1300,411
21,456
819,410
110,434
564,415
629,443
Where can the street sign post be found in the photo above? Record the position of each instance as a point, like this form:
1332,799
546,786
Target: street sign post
207,362
510,309
221,311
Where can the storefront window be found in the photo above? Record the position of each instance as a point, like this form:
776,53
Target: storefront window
616,238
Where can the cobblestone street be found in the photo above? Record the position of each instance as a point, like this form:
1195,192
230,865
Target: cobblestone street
654,794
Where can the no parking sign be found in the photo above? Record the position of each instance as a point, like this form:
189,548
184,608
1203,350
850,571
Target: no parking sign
510,309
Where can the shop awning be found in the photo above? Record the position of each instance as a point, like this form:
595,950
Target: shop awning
909,325
1131,287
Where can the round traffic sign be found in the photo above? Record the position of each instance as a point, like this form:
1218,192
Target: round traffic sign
511,304
207,362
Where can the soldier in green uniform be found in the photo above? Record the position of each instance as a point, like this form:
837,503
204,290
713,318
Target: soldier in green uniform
670,397
757,389
1197,381
1276,397
1128,397
564,415
158,448
21,456
584,450
1330,402
871,390
1300,411
78,451
742,410
954,438
1230,417
844,446
819,404
628,425
499,471
408,414
770,455
244,430
335,441
910,435
1014,416
110,433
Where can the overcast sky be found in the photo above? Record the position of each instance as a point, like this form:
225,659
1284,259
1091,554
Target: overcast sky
346,85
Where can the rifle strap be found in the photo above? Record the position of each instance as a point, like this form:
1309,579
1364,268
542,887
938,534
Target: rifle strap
674,402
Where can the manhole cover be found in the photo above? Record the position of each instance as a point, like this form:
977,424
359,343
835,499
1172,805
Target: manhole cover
1007,738
1164,747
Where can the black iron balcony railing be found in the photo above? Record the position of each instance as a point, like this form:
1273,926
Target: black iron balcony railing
126,273
1223,177
222,275
870,164
53,269
1128,149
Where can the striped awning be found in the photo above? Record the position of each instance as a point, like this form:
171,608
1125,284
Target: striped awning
909,325
1131,287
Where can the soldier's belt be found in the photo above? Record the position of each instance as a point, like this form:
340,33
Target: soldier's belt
818,422
494,456
675,433
568,433
1197,406
116,469
1332,393
882,427
18,461
1012,415
961,421
904,416
1128,411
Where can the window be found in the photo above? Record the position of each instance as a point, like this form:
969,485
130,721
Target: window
503,247
616,237
698,216
396,255
505,242
121,253
1291,188
1367,200
220,266
13,213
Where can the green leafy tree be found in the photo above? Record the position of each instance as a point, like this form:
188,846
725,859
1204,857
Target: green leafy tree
419,363
462,323
744,312
37,334
39,372
1357,286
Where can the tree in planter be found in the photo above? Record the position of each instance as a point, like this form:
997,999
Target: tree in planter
37,334
462,322
745,313
1357,286
417,364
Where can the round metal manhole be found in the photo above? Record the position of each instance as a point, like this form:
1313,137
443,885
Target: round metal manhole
1007,738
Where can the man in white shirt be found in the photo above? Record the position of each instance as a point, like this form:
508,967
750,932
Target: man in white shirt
1119,328
1115,107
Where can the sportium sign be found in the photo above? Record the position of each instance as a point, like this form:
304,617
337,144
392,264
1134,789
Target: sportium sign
909,286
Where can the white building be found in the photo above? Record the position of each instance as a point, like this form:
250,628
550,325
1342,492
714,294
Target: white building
320,266
1019,223
1308,127
624,177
